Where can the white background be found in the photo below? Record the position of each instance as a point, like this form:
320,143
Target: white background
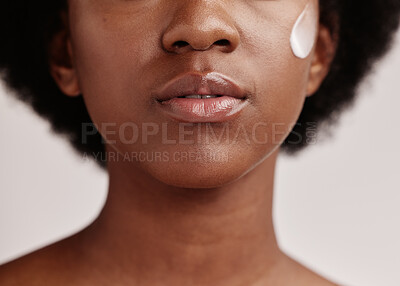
336,209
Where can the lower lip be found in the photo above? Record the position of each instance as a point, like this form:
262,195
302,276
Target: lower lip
196,110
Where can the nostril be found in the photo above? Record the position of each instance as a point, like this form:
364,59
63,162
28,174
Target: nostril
180,44
223,42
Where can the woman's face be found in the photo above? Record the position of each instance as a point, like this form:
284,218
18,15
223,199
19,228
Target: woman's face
125,52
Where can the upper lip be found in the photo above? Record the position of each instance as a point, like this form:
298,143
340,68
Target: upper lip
212,83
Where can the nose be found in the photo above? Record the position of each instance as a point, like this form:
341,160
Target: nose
200,25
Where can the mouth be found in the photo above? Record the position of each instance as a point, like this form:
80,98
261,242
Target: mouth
199,96
196,98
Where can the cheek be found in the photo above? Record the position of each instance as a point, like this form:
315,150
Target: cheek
111,54
281,76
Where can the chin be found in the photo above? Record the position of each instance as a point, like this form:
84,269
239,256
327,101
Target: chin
196,176
204,173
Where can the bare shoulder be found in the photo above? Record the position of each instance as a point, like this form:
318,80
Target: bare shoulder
302,275
47,266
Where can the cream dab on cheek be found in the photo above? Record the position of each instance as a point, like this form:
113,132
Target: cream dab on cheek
304,31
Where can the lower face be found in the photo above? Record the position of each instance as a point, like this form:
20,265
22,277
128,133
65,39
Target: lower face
124,55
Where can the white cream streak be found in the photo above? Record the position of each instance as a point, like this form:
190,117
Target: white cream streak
304,32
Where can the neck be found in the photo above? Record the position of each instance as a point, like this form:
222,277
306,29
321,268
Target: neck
219,236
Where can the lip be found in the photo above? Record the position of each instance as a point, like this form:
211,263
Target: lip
232,98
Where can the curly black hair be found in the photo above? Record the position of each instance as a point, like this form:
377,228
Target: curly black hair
365,30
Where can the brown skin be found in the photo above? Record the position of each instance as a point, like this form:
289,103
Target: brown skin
182,222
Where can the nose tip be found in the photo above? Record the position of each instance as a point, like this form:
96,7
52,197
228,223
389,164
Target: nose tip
201,32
